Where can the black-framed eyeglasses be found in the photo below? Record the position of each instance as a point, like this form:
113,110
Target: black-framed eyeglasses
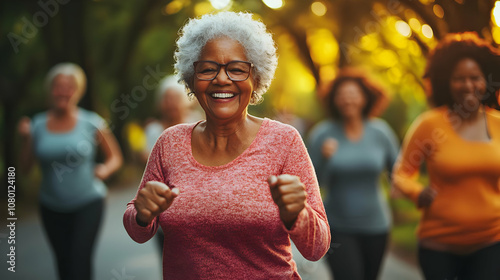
236,70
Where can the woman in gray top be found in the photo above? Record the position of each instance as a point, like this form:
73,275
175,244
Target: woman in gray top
350,151
65,140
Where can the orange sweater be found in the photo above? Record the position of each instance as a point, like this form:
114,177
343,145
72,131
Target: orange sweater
466,175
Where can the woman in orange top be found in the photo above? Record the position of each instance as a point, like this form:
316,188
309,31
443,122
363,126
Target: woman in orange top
459,141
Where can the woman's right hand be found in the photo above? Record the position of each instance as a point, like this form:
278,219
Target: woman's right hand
24,127
329,147
152,200
426,197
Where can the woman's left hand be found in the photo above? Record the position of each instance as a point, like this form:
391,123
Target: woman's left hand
289,193
101,171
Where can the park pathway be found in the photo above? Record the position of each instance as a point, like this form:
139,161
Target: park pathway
117,257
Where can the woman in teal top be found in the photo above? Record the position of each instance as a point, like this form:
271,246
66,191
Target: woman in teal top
350,151
65,140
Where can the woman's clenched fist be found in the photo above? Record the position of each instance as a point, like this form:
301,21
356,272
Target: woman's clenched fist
289,193
152,200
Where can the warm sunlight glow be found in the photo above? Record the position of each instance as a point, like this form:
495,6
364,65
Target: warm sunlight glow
427,31
220,4
394,74
327,73
438,11
403,28
495,14
414,49
495,33
369,42
323,45
274,4
318,9
385,58
415,24
203,8
173,7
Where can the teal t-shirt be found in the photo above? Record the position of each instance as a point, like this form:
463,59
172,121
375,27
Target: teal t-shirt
67,162
355,202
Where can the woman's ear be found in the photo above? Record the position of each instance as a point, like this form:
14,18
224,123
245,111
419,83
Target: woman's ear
256,81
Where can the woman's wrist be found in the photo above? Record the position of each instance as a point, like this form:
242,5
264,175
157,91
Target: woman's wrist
140,222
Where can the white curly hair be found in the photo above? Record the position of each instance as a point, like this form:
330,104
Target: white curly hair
259,46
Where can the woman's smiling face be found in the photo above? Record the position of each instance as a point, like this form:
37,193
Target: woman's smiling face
222,98
64,92
467,84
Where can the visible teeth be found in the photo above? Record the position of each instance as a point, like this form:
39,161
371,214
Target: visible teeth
222,95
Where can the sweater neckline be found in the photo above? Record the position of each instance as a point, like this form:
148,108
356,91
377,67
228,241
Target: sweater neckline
188,147
456,135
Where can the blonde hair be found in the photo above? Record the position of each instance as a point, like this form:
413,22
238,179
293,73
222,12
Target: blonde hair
68,69
170,83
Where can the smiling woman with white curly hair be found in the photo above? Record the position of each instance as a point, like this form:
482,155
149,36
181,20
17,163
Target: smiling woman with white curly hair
231,191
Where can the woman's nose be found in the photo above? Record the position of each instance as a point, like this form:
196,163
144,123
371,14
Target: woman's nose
222,77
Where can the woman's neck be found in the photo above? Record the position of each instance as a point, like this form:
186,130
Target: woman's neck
63,113
217,143
353,127
468,116
227,129
353,123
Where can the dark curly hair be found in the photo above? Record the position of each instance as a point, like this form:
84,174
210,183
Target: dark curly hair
449,51
376,98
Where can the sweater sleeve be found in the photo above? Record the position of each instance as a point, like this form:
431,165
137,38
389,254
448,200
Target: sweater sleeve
391,145
311,232
415,149
153,172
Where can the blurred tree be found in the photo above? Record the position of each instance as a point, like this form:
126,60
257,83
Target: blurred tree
125,47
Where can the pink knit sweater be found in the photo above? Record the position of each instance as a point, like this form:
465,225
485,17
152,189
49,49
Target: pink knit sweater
224,223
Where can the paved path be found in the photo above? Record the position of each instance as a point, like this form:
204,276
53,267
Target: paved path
120,258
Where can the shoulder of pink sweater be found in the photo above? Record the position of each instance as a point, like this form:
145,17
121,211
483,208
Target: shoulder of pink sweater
178,130
281,129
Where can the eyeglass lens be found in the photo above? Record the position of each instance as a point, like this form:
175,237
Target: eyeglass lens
235,70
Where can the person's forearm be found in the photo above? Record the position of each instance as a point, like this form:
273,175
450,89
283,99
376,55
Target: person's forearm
311,234
114,163
139,233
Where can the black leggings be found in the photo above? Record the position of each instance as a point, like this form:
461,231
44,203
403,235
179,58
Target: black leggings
72,236
483,264
356,256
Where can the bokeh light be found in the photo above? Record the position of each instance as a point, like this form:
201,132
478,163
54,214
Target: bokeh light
323,45
495,14
203,8
220,4
318,8
385,58
274,4
369,42
415,24
173,7
403,28
438,11
495,33
427,31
